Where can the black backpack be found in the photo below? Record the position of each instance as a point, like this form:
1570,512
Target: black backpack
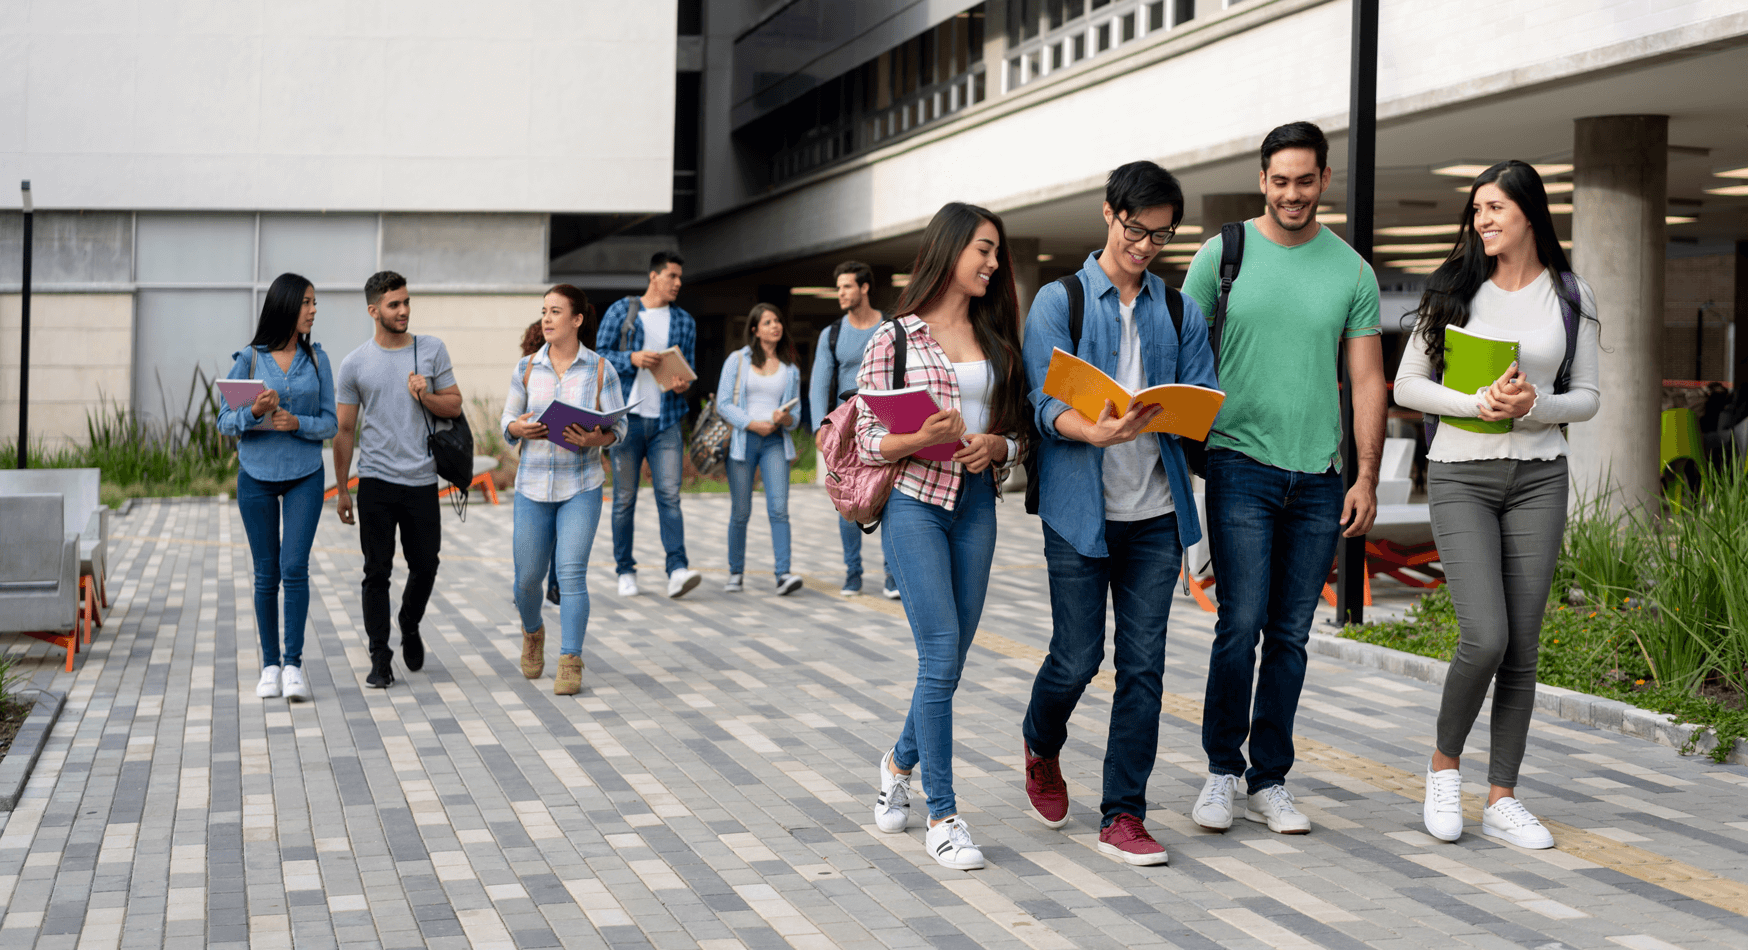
450,448
1231,259
1174,302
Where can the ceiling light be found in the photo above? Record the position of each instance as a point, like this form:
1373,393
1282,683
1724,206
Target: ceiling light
1679,219
1181,246
901,280
1472,169
1558,187
1560,208
1733,191
1189,229
1179,258
1410,248
1333,219
823,292
1420,230
1046,258
1733,173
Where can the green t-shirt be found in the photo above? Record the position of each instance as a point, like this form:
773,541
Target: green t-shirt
1289,311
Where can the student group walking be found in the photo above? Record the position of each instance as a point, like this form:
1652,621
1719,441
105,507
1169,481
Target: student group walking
1267,320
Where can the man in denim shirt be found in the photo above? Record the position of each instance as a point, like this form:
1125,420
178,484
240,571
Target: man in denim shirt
1127,535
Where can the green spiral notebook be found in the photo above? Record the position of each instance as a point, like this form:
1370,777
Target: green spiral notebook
1473,362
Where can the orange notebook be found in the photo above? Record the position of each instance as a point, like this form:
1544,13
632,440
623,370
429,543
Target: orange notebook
1184,409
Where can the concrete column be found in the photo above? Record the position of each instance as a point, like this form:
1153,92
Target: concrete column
1621,173
1024,251
1220,209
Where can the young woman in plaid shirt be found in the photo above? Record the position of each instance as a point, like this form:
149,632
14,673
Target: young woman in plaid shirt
960,317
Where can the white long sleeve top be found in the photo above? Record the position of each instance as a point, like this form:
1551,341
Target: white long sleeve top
1531,316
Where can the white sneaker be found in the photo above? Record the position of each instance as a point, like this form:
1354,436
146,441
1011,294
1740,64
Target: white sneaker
788,584
297,690
1508,820
628,584
891,593
681,582
892,805
1274,806
268,688
734,585
1214,806
949,843
1443,811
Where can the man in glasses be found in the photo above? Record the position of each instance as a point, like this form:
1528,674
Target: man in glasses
1115,501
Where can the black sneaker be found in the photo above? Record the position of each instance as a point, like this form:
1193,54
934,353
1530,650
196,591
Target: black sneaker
412,648
552,593
380,678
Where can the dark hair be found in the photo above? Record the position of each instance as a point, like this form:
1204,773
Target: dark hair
660,260
785,346
864,274
1296,135
995,316
279,312
381,283
1140,185
532,339
579,302
1451,287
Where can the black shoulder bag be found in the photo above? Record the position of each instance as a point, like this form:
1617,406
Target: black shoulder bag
451,448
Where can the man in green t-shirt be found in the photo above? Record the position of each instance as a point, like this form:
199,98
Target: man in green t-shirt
1275,496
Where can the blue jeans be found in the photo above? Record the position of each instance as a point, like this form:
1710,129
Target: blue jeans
1272,533
941,559
560,533
765,453
851,535
281,560
661,448
1143,556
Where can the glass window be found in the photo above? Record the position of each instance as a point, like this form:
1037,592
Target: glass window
1014,78
1053,13
1100,3
195,249
1056,56
1074,8
1079,47
326,248
1156,16
1103,30
977,87
1128,22
1035,64
1183,11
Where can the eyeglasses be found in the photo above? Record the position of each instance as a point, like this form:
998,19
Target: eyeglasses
1160,238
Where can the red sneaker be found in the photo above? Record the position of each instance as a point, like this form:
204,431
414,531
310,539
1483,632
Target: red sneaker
1046,789
1127,838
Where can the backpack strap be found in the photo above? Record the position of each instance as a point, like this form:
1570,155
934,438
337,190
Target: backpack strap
1076,309
833,333
1174,304
600,379
1231,259
899,346
1571,305
633,307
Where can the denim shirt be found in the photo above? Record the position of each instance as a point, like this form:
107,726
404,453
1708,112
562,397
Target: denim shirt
1071,473
734,411
306,392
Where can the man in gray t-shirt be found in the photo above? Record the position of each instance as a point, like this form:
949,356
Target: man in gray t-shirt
404,384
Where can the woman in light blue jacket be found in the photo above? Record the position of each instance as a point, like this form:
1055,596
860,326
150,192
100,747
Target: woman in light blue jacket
758,394
279,449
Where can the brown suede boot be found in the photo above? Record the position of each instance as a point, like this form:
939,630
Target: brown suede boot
534,652
568,681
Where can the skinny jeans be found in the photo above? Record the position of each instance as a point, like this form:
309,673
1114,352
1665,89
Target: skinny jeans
559,533
1498,525
280,559
764,455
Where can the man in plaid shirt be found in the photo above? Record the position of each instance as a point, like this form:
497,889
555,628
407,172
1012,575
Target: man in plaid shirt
634,332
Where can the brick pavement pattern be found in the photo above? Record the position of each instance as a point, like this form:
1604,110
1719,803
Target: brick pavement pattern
712,785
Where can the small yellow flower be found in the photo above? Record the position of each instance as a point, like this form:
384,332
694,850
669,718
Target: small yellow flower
1638,682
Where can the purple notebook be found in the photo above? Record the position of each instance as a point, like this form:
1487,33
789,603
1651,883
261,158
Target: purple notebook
561,414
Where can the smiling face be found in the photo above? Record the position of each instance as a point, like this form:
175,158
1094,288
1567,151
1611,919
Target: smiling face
1291,186
393,311
1133,254
1501,224
306,315
558,322
978,262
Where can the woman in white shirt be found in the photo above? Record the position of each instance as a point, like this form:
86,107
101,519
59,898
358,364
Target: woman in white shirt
1499,499
558,487
758,394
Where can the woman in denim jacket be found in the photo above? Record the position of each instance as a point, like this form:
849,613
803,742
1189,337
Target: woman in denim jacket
756,394
279,450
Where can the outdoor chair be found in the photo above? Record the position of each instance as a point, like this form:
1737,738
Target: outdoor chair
85,515
40,591
483,467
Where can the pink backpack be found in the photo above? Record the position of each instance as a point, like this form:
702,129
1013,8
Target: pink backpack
858,490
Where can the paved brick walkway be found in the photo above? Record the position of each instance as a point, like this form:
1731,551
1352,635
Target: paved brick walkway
711,787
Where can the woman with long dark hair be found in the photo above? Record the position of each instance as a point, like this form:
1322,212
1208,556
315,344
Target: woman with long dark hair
558,487
279,482
1498,498
960,320
755,394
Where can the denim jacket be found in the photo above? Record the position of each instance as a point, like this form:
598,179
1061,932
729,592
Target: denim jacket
734,412
1071,497
306,392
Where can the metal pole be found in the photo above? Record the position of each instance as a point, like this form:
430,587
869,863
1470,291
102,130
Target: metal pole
24,339
1362,134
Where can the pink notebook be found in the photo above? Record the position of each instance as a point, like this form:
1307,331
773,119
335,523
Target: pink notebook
904,411
238,393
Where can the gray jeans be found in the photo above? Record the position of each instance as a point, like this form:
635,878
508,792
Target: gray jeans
1498,524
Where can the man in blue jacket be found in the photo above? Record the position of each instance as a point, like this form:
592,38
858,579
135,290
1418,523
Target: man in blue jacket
634,332
1116,504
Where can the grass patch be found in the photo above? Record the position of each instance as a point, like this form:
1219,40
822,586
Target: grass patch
1655,615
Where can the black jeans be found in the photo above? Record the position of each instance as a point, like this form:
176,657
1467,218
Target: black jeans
383,507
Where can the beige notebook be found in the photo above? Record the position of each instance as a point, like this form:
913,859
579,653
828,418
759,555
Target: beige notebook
672,369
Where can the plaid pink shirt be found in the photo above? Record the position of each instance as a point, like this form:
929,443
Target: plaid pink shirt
936,483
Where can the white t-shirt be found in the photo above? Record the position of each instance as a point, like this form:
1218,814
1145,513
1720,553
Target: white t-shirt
1135,484
645,391
765,393
975,383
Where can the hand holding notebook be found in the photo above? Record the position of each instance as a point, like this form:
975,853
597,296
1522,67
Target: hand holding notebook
1474,362
243,393
904,412
560,414
1184,409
